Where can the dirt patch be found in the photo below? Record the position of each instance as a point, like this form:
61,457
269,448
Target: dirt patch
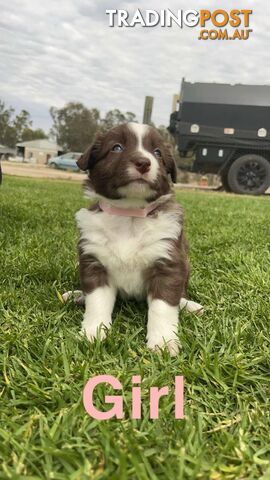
39,171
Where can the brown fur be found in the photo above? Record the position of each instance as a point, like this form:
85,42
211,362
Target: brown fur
168,279
92,273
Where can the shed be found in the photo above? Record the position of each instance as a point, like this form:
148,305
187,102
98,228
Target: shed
38,151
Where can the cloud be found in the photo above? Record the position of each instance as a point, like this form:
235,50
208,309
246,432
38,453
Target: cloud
55,52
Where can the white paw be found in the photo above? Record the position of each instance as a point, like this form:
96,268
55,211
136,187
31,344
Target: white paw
190,306
76,295
162,326
158,344
94,330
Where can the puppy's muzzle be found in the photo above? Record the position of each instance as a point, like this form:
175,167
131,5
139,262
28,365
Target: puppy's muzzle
142,165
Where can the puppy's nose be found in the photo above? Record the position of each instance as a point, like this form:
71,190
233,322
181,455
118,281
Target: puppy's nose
143,165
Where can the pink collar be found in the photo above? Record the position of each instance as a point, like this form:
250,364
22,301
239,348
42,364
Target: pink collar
128,212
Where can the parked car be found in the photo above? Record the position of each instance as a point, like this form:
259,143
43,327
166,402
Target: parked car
67,161
225,129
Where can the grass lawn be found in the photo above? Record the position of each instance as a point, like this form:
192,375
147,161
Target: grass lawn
45,432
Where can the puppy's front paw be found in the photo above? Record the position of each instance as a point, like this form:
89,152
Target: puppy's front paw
162,326
158,344
93,330
190,306
76,295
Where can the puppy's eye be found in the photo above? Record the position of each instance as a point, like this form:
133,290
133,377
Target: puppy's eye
157,153
117,148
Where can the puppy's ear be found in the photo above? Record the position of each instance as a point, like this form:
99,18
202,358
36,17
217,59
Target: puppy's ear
170,164
88,159
84,162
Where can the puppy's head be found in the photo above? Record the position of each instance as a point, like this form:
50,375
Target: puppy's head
129,161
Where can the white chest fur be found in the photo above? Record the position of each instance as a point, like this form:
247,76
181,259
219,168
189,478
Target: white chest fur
127,246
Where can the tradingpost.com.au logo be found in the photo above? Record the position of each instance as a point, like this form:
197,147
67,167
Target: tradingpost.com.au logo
214,25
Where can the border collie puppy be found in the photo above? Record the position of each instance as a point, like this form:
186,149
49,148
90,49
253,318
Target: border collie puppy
132,241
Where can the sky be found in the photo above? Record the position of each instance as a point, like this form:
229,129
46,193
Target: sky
53,52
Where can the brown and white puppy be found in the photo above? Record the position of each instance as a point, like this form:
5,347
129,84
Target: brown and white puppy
132,241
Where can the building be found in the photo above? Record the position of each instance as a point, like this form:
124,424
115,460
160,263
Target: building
6,152
38,151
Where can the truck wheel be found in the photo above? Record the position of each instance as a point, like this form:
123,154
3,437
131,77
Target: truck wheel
249,174
224,181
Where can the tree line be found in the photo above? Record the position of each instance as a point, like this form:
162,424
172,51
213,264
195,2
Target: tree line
16,128
73,126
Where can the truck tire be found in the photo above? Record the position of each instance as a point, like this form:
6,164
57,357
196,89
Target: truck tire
249,174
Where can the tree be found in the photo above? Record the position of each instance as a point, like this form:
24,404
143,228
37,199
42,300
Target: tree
18,128
7,133
116,117
21,122
74,126
29,134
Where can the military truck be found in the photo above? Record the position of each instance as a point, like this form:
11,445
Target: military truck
225,129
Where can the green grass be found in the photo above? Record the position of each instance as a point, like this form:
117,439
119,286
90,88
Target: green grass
45,432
